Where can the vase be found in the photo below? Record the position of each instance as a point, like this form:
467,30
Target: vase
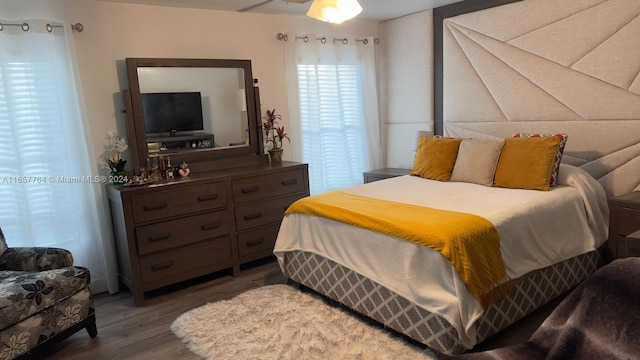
118,177
275,155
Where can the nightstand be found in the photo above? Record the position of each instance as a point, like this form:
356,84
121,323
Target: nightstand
633,244
386,173
624,219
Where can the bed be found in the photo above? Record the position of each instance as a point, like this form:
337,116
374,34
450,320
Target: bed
414,289
494,79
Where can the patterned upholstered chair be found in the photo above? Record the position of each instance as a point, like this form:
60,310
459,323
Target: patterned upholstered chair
43,299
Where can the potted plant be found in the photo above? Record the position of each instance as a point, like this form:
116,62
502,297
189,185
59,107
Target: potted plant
274,135
115,163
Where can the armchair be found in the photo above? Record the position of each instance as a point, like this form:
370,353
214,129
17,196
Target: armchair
43,299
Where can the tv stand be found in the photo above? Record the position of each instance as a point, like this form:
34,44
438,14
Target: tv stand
173,143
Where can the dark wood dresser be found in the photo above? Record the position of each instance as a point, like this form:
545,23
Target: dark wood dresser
624,219
176,230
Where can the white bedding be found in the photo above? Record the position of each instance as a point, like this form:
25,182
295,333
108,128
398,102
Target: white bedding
537,229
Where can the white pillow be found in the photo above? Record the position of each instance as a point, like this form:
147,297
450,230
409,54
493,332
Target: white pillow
477,160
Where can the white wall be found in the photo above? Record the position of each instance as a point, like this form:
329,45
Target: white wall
406,78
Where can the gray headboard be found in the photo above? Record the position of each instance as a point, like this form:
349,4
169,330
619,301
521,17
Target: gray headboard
550,66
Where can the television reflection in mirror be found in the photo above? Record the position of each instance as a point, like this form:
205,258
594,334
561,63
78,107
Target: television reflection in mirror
168,113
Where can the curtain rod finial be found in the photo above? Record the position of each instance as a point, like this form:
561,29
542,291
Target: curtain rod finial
77,27
282,37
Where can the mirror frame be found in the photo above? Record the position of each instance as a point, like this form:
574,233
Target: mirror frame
200,160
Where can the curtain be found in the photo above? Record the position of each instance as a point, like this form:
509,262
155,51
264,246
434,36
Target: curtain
47,192
333,108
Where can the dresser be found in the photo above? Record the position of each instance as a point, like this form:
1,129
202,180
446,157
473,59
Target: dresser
624,219
176,230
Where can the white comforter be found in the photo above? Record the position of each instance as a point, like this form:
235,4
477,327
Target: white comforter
537,229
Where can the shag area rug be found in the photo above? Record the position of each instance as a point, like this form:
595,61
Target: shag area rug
282,322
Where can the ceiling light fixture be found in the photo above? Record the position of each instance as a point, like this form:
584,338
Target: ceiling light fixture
334,11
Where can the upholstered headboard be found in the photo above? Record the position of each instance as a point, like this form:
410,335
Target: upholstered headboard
570,66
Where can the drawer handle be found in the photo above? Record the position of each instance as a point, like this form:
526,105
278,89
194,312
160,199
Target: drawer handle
160,237
255,242
249,190
207,197
253,216
211,226
155,207
289,182
162,266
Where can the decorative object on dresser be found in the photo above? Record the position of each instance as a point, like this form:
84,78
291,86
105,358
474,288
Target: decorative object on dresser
275,134
624,218
386,173
175,230
113,160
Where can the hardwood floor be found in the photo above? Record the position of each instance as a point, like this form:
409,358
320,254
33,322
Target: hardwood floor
129,332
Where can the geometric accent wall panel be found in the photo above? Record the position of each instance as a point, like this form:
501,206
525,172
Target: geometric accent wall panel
560,66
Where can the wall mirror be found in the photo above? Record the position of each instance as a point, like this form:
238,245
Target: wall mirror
200,111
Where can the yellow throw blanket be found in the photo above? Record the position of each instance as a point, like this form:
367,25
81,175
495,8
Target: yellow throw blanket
471,243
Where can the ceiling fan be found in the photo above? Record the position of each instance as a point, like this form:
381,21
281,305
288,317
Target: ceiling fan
248,8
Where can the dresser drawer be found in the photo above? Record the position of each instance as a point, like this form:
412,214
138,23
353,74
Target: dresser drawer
163,204
253,241
189,258
262,213
628,221
275,184
175,233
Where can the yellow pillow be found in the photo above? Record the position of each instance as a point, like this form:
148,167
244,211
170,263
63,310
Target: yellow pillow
526,163
435,158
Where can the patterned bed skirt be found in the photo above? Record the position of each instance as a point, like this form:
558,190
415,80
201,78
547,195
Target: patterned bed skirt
383,305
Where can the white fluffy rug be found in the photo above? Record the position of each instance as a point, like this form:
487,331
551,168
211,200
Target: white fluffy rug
281,322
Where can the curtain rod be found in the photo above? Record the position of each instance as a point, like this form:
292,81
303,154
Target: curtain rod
25,26
323,40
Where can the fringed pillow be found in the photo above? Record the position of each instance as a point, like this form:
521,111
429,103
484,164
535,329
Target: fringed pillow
553,180
526,163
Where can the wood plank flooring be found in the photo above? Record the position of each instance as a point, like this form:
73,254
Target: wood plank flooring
129,332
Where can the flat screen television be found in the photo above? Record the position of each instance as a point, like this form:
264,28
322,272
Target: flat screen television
171,112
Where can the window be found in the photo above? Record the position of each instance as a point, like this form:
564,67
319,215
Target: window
332,125
333,108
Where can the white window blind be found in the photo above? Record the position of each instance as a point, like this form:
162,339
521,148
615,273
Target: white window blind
333,108
332,125
31,151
